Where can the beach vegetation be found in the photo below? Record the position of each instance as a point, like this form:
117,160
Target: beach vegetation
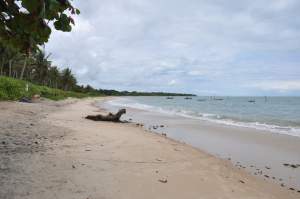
14,89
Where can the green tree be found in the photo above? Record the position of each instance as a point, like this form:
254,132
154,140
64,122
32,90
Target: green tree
68,81
8,56
42,67
24,24
54,77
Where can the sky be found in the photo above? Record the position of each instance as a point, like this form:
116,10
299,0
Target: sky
205,47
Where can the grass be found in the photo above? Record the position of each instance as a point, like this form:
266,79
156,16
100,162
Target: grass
13,89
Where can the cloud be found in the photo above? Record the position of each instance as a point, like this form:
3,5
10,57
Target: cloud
202,44
196,72
172,82
282,86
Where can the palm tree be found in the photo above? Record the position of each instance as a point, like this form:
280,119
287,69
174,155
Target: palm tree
68,81
8,56
2,57
42,67
54,77
36,68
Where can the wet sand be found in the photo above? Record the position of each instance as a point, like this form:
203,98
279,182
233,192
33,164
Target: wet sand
51,151
259,152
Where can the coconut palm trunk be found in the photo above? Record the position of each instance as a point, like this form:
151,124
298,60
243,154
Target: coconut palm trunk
2,65
10,68
24,67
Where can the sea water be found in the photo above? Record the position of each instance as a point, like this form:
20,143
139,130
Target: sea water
257,131
275,114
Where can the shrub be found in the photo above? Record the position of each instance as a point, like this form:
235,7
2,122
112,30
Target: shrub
13,89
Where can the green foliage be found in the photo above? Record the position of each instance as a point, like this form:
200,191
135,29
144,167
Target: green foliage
12,89
38,69
63,23
68,81
24,24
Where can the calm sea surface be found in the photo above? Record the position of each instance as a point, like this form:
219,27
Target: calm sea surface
276,114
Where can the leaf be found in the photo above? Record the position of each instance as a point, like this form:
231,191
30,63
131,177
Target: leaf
63,23
51,9
25,31
44,33
31,5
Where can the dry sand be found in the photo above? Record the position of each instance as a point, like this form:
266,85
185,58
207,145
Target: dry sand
48,150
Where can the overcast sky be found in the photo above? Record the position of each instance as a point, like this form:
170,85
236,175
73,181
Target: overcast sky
206,47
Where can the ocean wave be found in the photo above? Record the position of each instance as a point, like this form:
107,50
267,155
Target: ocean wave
220,119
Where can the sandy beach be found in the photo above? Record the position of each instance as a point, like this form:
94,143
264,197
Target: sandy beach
262,153
48,150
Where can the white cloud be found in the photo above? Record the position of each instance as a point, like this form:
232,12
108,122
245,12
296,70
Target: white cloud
196,73
172,82
203,44
278,85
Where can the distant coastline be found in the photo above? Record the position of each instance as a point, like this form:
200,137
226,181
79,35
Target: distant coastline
138,93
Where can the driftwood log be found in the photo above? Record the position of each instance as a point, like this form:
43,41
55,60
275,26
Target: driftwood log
109,117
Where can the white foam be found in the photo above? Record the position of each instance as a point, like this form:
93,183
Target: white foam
124,102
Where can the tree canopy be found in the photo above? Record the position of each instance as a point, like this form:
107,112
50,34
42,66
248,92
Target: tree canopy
25,24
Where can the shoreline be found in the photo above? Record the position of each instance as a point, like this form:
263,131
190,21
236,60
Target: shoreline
286,129
246,148
117,160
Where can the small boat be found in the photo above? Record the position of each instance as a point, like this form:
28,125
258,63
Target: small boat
187,98
251,101
169,97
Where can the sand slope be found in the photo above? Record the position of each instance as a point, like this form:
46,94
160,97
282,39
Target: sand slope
86,159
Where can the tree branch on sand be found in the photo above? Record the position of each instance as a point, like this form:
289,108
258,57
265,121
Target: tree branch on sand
109,117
